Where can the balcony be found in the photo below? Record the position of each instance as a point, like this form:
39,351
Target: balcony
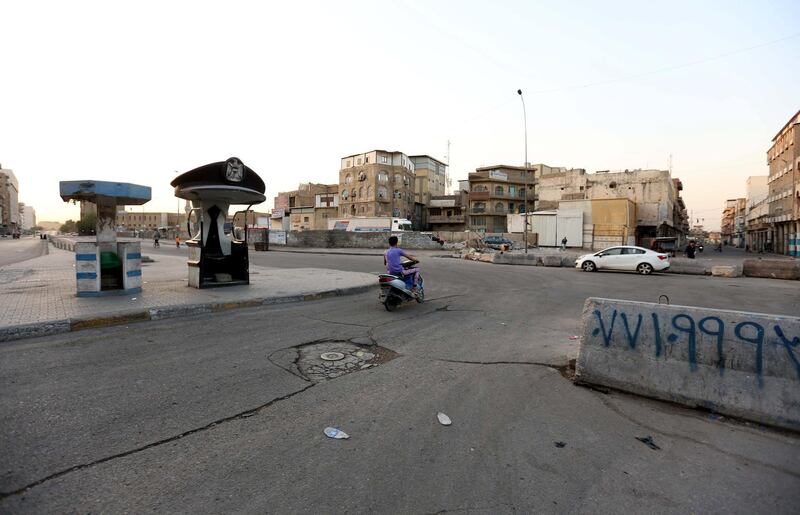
442,219
478,211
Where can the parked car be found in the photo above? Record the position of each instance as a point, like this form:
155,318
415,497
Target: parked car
496,241
666,244
625,257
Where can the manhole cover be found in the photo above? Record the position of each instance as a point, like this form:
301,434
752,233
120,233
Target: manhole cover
331,356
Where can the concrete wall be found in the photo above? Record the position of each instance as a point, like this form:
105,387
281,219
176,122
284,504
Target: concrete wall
345,239
737,363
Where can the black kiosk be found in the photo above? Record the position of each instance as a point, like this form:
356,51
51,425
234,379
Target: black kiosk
217,258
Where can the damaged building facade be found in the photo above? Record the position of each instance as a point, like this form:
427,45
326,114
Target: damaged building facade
656,208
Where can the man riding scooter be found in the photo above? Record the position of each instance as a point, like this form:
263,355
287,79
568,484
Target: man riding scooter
393,261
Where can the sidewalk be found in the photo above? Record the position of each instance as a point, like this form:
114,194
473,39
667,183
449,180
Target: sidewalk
39,294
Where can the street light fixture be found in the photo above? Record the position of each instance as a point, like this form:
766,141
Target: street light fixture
525,201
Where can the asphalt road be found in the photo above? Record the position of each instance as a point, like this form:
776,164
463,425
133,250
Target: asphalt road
208,414
14,251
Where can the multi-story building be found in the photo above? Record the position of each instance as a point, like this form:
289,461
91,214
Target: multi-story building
783,158
87,209
756,214
430,178
377,183
660,210
306,208
27,217
496,191
150,221
448,212
728,223
9,202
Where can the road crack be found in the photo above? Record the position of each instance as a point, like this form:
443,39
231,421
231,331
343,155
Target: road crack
742,459
335,322
241,415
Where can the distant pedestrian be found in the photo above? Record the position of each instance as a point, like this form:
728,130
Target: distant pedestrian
564,243
178,241
155,239
690,250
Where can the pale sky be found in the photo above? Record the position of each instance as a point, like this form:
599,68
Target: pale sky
136,91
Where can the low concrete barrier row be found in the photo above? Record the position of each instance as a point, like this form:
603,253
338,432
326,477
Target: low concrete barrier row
62,243
772,268
533,259
733,362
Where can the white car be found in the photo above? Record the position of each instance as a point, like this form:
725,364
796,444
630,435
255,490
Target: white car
624,258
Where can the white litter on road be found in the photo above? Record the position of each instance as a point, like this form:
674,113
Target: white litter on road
332,432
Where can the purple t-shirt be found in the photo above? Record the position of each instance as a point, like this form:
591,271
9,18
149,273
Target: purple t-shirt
394,260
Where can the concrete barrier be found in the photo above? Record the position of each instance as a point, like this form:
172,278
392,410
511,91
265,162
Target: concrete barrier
726,271
741,364
688,267
551,260
772,268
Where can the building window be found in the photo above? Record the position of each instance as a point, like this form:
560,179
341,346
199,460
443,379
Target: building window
358,161
347,164
382,192
361,192
510,207
479,187
362,209
348,179
512,191
369,192
382,159
353,193
398,179
366,160
498,190
499,207
345,195
305,219
383,176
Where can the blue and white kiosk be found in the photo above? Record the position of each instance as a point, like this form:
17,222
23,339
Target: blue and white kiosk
106,266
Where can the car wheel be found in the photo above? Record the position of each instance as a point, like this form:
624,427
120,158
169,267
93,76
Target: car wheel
589,266
645,268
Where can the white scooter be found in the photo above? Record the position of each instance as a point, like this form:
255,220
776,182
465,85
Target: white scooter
395,289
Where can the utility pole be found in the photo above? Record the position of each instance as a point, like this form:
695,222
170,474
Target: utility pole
447,182
525,201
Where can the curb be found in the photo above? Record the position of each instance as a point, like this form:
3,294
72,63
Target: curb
68,325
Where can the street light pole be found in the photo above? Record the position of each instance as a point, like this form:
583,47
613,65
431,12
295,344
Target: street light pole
525,201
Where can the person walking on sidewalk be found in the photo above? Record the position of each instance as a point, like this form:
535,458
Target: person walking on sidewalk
155,240
564,243
690,250
177,241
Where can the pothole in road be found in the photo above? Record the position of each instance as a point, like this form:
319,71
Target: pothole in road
327,360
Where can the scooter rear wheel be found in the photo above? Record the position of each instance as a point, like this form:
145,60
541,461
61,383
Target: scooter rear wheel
391,303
